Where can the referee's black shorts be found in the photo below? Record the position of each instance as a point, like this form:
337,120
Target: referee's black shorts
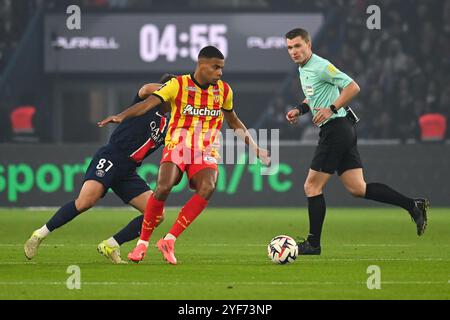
337,149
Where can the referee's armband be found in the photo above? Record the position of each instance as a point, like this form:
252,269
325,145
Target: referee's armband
303,108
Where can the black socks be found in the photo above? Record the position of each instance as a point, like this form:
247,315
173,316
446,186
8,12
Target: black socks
316,211
131,231
382,193
65,214
374,191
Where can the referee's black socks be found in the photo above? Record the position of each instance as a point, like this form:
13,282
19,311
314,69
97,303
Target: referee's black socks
316,211
383,193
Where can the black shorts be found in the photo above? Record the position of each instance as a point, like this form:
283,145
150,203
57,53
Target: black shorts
114,170
337,149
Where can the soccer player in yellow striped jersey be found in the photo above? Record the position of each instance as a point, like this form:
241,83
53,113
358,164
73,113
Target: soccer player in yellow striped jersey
199,103
197,111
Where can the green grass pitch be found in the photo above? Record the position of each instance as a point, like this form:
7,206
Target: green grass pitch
223,256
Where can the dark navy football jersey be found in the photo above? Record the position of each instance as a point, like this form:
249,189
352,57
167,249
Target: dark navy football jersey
139,137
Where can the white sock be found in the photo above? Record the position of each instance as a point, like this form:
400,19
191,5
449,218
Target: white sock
142,241
43,232
112,242
170,236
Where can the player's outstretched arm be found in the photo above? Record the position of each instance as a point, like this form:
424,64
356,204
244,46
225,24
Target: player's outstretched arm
147,89
135,110
241,131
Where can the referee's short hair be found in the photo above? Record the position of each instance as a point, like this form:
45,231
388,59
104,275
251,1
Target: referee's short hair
298,32
210,52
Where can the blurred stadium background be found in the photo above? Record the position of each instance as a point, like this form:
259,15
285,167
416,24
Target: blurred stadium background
55,84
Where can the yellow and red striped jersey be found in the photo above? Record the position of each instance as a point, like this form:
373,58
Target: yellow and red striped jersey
196,116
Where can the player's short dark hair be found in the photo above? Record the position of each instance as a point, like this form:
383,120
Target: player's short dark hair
166,77
298,32
210,52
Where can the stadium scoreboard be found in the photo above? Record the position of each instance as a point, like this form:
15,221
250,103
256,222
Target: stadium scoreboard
117,43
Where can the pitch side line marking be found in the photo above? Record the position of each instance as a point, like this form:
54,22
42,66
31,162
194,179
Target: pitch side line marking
299,283
224,245
219,261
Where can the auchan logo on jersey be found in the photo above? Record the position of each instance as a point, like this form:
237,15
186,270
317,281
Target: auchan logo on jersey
191,111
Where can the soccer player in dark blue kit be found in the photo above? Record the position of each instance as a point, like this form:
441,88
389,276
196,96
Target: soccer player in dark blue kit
114,166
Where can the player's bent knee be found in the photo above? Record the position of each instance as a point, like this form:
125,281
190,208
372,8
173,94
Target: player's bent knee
357,192
206,189
85,203
162,191
311,190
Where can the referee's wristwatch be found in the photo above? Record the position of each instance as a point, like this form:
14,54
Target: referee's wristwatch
333,108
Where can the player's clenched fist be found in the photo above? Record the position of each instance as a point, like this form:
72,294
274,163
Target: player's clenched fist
292,115
110,119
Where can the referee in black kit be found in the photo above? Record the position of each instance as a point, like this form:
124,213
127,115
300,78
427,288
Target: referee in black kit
337,149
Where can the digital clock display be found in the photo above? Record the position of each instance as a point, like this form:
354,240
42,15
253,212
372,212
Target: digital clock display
143,43
168,43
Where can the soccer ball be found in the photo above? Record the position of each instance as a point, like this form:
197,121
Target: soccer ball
282,249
